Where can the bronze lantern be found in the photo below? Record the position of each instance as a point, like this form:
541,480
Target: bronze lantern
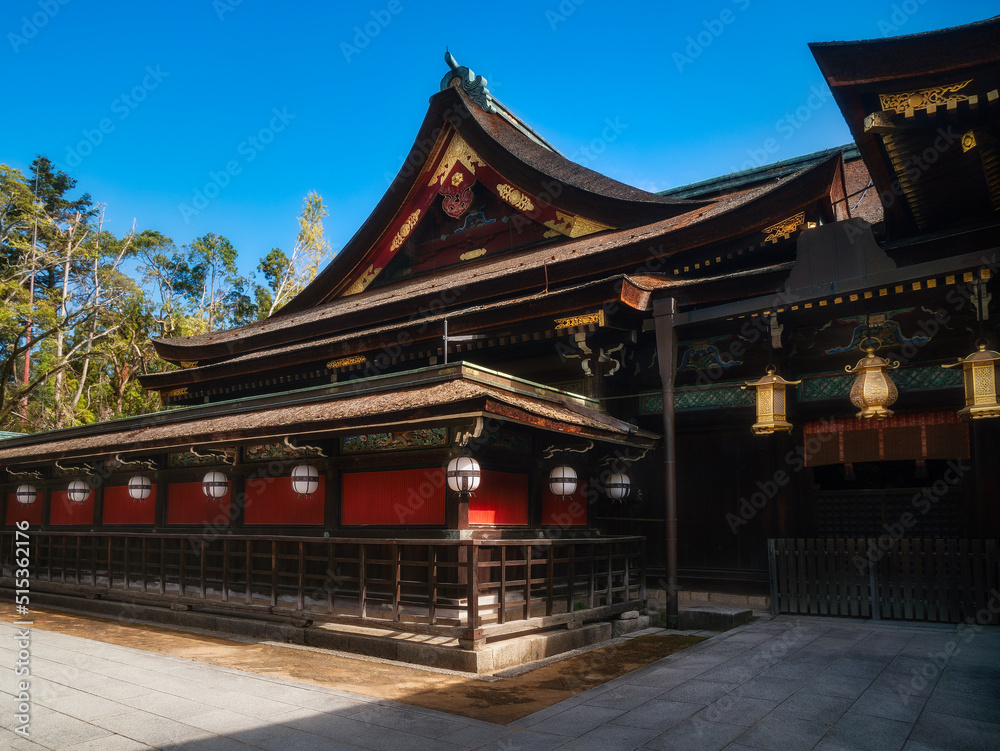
981,387
771,409
873,391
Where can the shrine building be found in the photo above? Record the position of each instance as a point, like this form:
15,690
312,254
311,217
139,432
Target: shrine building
523,392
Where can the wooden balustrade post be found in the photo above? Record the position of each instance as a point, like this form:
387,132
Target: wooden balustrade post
473,638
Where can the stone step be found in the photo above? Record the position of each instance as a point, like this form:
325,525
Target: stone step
687,598
713,617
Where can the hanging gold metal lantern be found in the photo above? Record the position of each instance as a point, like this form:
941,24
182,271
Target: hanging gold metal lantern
981,387
771,409
873,391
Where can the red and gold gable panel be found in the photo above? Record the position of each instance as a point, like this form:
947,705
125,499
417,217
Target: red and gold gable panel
459,210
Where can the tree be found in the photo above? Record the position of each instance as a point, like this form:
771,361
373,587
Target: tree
60,292
211,281
160,264
287,275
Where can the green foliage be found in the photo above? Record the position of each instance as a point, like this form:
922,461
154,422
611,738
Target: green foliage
80,307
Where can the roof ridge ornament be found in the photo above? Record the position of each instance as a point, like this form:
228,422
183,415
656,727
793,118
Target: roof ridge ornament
473,85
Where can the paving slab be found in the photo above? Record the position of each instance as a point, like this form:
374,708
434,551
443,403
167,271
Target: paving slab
782,684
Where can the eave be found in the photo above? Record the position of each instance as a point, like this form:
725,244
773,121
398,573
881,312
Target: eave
629,251
953,184
430,395
540,309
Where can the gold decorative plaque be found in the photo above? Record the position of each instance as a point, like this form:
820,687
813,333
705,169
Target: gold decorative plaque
584,320
405,230
345,361
364,281
515,197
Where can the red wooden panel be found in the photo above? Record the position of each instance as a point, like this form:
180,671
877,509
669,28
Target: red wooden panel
568,511
63,511
502,498
18,512
270,500
187,504
119,508
408,496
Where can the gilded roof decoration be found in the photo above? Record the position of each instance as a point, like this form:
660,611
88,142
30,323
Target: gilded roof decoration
922,99
784,228
344,362
460,152
583,320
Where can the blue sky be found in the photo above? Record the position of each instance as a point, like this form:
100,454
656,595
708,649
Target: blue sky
256,103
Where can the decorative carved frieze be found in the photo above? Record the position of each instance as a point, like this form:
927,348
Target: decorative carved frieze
266,452
419,438
921,99
783,228
583,320
344,362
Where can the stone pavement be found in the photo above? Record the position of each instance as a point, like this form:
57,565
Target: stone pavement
784,684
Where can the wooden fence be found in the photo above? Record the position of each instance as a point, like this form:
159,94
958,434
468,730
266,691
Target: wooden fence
469,589
948,581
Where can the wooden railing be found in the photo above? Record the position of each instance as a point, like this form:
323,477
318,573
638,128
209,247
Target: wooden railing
948,580
469,589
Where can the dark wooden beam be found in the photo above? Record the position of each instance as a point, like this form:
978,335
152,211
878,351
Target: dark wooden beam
839,287
664,316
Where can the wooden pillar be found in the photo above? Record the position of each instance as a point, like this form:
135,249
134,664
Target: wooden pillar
536,486
97,520
664,313
162,488
457,510
46,494
237,501
331,501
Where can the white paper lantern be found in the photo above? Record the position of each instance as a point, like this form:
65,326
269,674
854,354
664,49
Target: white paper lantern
562,481
26,494
463,474
618,486
214,485
305,479
78,491
139,487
